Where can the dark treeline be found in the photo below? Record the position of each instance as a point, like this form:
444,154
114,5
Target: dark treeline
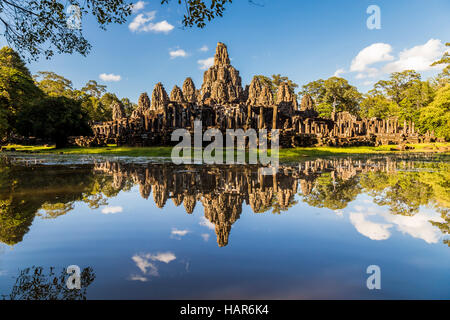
46,105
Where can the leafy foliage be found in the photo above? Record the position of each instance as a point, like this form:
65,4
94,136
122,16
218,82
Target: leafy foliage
40,26
333,94
198,11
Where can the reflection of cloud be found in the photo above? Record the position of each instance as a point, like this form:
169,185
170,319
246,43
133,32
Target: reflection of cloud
339,212
179,233
138,278
205,236
163,257
372,230
110,209
145,263
206,223
418,226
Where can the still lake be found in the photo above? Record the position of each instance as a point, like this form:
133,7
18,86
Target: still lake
147,229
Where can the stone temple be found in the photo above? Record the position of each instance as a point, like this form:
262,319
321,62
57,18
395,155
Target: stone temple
222,103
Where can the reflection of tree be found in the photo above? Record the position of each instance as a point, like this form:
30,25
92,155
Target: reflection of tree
444,226
33,284
49,191
332,193
16,218
405,191
52,191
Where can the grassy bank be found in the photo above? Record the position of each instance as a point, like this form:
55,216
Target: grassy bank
285,154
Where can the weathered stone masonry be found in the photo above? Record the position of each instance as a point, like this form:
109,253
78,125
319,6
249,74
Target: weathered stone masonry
222,103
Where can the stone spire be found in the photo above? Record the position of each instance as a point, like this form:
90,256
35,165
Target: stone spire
159,97
189,92
221,82
307,106
176,95
221,57
286,100
307,103
143,106
265,97
254,91
118,112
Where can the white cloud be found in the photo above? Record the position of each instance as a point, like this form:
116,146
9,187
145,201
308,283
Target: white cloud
339,72
204,48
110,209
143,23
143,263
138,6
140,21
179,233
177,53
372,230
206,63
374,53
110,77
162,26
418,58
206,223
205,236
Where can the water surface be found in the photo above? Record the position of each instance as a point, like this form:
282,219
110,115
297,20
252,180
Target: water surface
145,229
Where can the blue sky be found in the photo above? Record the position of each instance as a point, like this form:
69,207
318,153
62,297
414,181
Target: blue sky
304,40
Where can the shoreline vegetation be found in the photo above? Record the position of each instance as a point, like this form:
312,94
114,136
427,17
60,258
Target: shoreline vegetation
286,154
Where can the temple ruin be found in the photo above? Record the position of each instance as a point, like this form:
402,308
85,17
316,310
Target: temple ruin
222,103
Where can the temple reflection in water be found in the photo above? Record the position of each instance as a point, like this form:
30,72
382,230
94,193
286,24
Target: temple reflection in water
222,190
51,190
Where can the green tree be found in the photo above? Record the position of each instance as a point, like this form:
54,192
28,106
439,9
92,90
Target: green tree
17,89
444,77
333,93
376,105
406,90
94,89
436,116
128,106
53,84
53,118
